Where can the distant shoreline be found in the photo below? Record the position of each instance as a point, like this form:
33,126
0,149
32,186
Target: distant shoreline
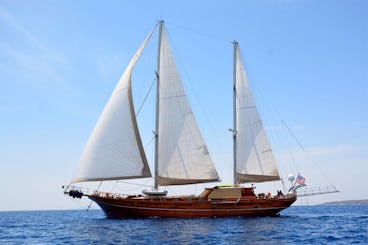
347,202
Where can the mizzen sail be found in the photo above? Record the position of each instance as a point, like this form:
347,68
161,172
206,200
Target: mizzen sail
254,158
114,150
183,157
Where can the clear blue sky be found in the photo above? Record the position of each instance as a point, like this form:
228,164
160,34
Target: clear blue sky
60,60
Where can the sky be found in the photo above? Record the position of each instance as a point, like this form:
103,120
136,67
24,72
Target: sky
306,60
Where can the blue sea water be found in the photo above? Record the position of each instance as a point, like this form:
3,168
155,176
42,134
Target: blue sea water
296,225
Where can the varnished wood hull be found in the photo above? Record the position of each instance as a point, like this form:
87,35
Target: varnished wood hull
190,207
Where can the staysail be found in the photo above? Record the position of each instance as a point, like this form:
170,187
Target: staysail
114,150
183,157
254,158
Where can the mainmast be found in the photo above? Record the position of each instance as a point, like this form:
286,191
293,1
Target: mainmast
234,130
161,23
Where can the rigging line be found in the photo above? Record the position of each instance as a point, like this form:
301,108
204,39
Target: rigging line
307,153
189,83
90,204
115,186
283,154
287,144
145,98
126,182
258,115
78,203
199,33
116,182
150,142
292,134
141,87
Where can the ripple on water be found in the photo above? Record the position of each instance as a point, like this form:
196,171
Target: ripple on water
296,225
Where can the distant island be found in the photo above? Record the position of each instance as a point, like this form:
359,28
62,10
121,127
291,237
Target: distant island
348,202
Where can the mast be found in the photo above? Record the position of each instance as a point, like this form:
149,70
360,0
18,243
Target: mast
161,23
254,162
234,130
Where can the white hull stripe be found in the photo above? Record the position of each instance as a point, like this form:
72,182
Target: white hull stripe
191,210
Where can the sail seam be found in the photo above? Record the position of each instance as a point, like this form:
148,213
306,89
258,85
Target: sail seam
175,96
246,107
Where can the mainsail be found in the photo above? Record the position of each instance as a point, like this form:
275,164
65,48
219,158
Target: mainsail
114,150
183,157
254,158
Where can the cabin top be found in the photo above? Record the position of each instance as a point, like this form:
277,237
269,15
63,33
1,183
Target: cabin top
227,192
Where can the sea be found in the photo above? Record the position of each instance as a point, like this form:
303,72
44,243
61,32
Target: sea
295,225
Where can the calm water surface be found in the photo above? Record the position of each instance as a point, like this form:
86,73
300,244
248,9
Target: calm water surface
296,225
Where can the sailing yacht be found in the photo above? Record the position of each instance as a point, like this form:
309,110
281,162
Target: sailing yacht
114,151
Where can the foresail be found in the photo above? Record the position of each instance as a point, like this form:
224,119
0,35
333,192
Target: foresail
114,150
183,157
254,158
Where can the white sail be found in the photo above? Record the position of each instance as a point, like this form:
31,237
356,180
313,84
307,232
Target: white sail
254,158
114,149
183,157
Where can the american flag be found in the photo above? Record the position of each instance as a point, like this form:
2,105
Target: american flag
300,180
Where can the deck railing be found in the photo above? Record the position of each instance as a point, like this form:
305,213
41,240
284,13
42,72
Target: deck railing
316,190
89,192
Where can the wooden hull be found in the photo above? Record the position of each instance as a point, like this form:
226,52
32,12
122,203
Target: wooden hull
191,207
